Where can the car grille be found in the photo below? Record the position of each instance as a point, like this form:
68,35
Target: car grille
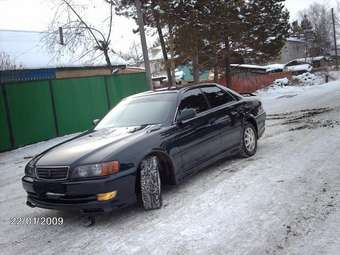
52,173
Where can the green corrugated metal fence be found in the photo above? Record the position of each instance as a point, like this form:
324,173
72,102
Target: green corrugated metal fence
30,109
78,102
5,143
41,110
128,85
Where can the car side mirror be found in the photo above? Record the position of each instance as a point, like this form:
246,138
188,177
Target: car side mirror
186,114
95,122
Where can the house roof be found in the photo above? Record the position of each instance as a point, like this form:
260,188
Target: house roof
311,59
267,68
26,49
295,39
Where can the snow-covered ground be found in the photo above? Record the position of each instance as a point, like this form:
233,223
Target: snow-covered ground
284,200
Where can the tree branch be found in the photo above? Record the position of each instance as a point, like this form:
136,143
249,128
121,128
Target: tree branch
82,21
111,18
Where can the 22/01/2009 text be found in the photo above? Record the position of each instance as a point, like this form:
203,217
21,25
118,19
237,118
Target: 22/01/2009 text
50,221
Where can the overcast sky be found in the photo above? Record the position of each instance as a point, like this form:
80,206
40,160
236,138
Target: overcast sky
36,14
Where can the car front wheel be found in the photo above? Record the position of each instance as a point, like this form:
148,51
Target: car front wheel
248,141
150,183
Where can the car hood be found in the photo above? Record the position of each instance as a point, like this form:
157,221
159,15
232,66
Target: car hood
89,147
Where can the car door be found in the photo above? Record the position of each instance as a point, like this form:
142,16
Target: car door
194,135
226,117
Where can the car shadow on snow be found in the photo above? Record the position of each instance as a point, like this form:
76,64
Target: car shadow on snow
172,195
175,196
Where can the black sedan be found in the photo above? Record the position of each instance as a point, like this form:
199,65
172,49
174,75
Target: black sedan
148,140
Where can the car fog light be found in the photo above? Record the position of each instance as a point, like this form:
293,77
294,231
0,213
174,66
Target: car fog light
107,196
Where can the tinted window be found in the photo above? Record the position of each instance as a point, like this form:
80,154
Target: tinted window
153,109
217,96
193,99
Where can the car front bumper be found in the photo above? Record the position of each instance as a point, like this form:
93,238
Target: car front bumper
80,195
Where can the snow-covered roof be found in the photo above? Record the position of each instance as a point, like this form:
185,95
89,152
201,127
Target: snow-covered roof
302,67
294,39
274,67
311,59
267,68
248,66
27,49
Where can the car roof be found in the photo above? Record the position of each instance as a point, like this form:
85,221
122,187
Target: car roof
177,89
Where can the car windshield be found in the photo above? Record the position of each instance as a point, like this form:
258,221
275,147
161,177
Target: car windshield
140,111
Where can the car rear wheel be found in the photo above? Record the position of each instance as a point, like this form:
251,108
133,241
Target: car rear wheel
249,141
150,183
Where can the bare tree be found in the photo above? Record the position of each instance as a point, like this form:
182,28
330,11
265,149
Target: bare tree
7,63
134,55
80,37
320,18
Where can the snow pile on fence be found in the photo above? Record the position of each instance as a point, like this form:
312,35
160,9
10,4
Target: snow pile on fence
307,79
295,85
281,82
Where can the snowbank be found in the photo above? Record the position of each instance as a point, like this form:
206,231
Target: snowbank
284,87
308,79
281,82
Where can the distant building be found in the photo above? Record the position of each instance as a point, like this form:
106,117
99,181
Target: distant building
156,61
293,49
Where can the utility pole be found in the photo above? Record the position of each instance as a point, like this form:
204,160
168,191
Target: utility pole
144,44
61,36
335,43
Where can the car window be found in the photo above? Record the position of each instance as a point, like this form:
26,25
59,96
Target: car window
293,63
216,96
193,99
146,110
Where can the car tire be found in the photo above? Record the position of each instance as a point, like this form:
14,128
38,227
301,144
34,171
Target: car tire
150,184
248,141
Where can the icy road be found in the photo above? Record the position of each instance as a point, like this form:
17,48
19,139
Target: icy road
285,200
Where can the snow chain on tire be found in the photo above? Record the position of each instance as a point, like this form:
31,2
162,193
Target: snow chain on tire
248,141
150,182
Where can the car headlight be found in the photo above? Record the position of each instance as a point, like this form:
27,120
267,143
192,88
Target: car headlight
96,170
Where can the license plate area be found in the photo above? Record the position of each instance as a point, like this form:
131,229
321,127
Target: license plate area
42,188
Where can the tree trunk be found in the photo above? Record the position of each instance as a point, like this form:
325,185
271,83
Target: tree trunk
164,51
172,53
107,59
144,43
195,67
216,69
227,64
